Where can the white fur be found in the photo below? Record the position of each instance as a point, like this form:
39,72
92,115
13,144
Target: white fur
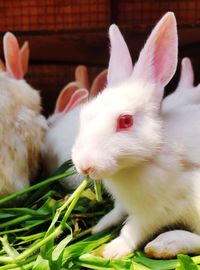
186,94
64,123
58,142
22,129
116,216
168,244
151,169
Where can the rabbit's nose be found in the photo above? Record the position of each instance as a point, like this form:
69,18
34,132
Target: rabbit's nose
86,170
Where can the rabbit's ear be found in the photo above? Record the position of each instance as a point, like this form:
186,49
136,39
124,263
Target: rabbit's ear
65,96
120,64
78,97
187,74
24,54
12,56
99,83
2,66
158,59
81,76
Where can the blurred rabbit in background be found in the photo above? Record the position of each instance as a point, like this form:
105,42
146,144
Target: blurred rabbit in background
22,127
64,123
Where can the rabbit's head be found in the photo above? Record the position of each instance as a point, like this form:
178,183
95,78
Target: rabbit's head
121,127
11,79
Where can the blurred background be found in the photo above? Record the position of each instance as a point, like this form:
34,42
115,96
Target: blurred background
65,33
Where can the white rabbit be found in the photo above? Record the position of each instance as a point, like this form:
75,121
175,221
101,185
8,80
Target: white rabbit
21,124
150,164
64,123
61,136
186,93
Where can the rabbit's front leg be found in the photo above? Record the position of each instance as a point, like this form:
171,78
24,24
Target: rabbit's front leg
114,217
169,244
131,235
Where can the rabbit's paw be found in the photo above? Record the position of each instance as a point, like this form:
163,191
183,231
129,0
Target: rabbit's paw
113,218
116,249
164,247
101,225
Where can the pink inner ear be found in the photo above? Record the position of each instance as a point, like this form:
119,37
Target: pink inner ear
99,83
158,59
78,97
163,56
65,96
12,56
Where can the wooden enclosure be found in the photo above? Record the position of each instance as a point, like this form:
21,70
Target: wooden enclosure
65,33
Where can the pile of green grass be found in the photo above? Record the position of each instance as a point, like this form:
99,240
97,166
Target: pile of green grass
51,230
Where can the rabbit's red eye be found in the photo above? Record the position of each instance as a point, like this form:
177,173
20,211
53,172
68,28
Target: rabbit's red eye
124,121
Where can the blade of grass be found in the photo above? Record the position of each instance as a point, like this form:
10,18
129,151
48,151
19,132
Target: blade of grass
97,188
15,221
93,262
8,249
75,196
60,247
196,259
73,200
34,187
186,263
22,211
75,250
27,228
28,265
157,264
29,238
41,264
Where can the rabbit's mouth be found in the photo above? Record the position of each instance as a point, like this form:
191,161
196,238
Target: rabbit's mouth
95,166
93,174
97,174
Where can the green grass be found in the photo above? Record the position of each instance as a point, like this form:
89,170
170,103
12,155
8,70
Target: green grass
48,228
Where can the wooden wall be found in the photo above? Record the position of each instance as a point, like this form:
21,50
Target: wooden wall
65,33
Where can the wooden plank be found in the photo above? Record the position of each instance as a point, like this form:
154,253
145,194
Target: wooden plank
74,48
92,48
